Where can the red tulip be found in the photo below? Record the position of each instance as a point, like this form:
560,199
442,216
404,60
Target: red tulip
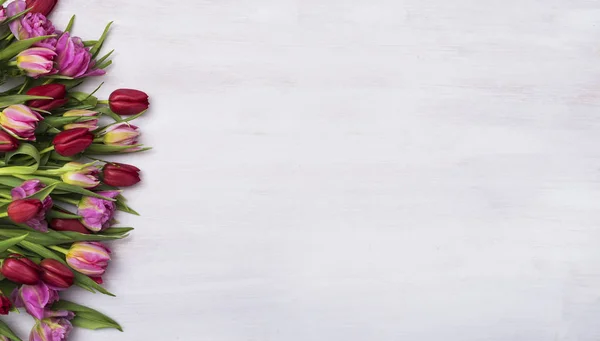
128,101
21,270
41,6
55,274
23,210
5,305
57,91
120,174
72,141
72,225
7,142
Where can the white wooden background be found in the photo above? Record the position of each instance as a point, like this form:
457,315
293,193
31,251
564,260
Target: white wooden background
358,169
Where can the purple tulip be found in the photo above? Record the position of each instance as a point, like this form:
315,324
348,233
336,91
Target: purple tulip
97,213
89,258
26,189
74,59
30,25
3,17
37,61
35,298
54,327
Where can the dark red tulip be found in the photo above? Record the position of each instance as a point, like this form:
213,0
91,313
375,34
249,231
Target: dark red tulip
120,174
72,225
72,141
21,270
7,142
23,210
41,6
5,305
56,274
57,91
128,101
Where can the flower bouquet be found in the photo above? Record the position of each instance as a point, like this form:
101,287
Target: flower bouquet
57,196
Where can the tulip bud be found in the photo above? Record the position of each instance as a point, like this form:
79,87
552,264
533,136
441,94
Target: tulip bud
73,225
91,124
96,213
89,258
20,270
41,6
36,61
23,210
128,101
55,274
7,142
86,177
20,121
71,142
120,174
35,298
121,134
57,91
5,305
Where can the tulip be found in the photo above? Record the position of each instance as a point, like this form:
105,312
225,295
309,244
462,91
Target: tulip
90,124
41,6
73,59
120,174
86,177
7,142
5,305
58,93
36,61
73,141
56,275
30,25
20,121
20,270
26,189
23,210
89,258
97,213
52,329
128,101
35,298
122,134
69,225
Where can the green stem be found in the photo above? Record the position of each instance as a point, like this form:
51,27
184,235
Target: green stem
5,214
13,63
14,251
103,101
59,249
67,200
49,149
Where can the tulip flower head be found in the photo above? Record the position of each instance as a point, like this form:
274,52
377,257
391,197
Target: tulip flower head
35,298
5,305
86,177
28,188
90,124
41,6
72,142
30,212
97,213
37,61
122,134
7,142
56,275
73,59
120,174
58,92
31,25
128,101
89,258
20,121
21,270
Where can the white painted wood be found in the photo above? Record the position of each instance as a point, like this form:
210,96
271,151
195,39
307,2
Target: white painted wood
358,170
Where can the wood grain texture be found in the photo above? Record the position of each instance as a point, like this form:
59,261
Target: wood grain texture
358,169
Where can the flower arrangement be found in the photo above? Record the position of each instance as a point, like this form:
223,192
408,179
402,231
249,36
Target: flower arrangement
57,197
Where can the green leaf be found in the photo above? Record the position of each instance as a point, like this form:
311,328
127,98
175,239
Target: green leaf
44,192
105,57
93,319
24,149
61,215
96,49
18,99
8,243
122,206
110,113
16,16
51,238
70,24
97,148
18,46
6,331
